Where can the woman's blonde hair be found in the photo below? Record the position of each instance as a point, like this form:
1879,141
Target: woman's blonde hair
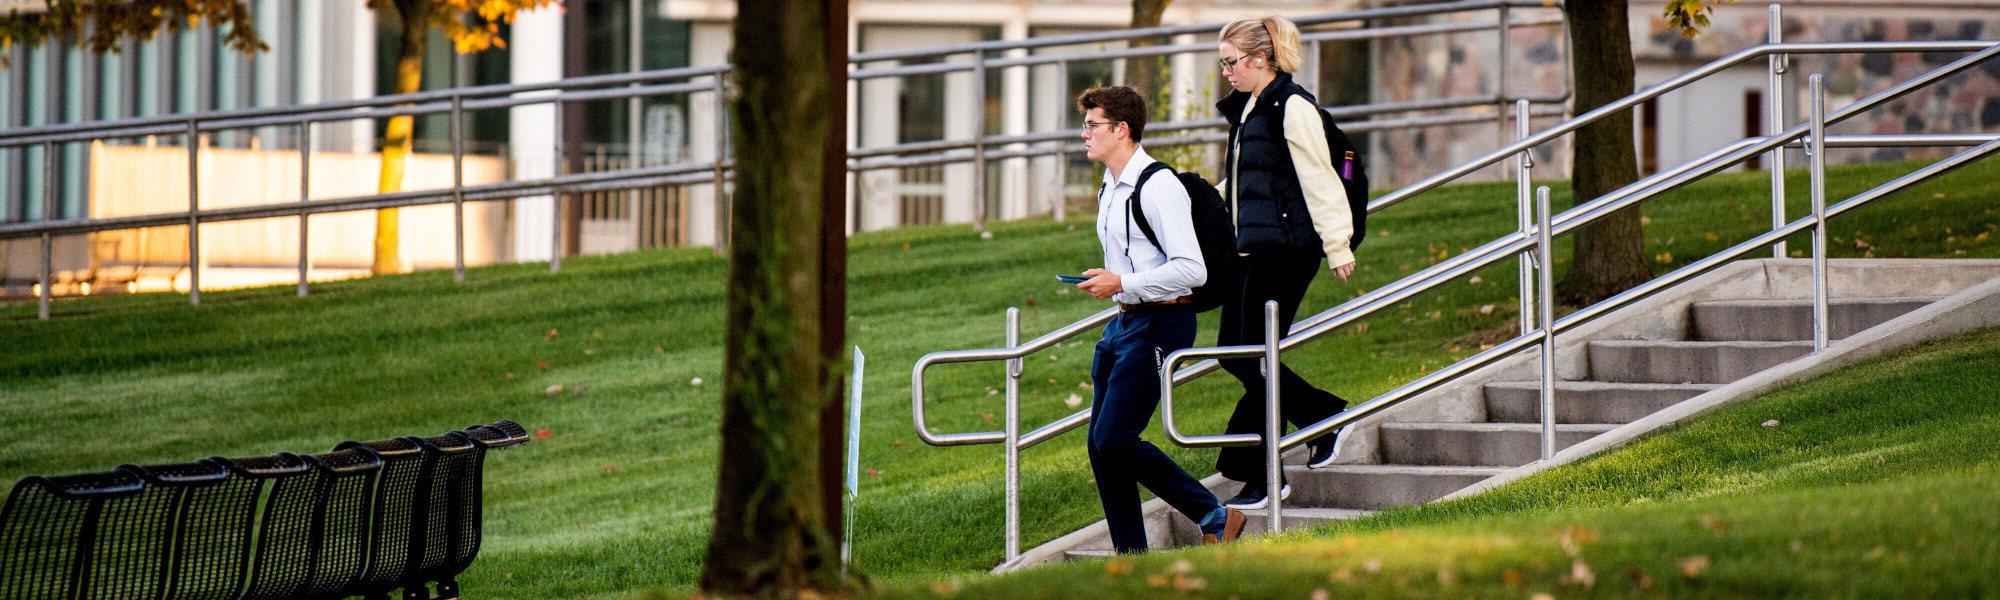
1273,35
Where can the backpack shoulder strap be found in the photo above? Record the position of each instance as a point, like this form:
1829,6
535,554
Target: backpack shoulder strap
1133,210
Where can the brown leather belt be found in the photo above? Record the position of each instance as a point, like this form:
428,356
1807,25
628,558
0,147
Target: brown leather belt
1153,305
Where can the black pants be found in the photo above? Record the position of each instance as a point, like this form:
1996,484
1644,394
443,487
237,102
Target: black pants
1284,279
1126,375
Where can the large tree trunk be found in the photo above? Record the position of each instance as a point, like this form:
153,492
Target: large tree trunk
1143,73
770,536
1610,255
833,268
396,140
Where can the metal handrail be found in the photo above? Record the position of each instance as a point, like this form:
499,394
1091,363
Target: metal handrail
634,85
1539,239
1525,239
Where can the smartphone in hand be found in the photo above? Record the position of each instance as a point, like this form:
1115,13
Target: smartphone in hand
1072,279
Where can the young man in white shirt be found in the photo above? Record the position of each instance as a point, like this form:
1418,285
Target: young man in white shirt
1152,285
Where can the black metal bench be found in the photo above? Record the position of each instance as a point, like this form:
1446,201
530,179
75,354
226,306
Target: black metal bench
365,519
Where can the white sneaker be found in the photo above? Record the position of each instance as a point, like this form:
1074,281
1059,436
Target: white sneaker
1253,497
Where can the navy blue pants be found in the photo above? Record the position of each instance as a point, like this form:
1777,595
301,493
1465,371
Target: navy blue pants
1126,380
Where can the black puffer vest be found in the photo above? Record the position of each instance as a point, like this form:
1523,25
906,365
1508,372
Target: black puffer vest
1269,206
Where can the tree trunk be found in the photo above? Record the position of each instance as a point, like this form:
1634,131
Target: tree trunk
1143,73
833,270
396,140
769,536
1609,255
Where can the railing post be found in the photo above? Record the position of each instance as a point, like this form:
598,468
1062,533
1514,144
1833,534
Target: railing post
560,168
1500,82
1775,123
1545,256
1817,147
49,182
194,204
979,206
1060,211
458,188
1274,476
305,195
721,209
1523,215
1015,366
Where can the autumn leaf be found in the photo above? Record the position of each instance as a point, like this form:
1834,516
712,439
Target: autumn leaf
1118,567
550,334
543,433
1694,566
554,389
1580,574
542,366
1715,524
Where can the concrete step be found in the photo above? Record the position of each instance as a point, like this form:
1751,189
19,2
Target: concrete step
1080,555
1650,361
1299,518
1791,319
1585,401
1476,444
1375,487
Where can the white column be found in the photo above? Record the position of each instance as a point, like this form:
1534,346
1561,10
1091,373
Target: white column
961,122
1051,104
537,52
708,45
1014,121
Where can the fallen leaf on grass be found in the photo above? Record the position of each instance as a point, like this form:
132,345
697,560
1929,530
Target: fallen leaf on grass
1486,309
610,469
1073,401
1798,545
1771,423
542,366
874,473
1580,575
1694,566
550,334
1715,524
1639,577
1119,566
1373,565
1156,580
1188,583
554,389
543,433
1511,577
695,382
1319,594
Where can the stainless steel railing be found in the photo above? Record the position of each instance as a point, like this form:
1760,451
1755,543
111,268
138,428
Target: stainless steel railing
1538,240
711,81
1526,239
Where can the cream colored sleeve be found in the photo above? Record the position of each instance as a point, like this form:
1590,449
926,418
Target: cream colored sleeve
1326,196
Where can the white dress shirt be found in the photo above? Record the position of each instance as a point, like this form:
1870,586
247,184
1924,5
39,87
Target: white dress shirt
1148,275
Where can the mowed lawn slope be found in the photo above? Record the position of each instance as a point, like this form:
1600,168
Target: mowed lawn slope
618,496
1876,481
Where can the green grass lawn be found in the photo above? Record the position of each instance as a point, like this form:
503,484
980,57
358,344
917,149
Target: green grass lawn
1877,481
617,498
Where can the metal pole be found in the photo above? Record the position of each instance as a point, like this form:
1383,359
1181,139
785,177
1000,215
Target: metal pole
1500,82
1014,369
560,168
721,207
1274,479
1775,122
979,140
1061,209
194,204
1523,215
48,239
635,60
1547,314
305,195
458,188
1818,150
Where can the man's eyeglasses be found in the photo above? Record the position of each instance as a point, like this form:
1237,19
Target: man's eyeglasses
1091,125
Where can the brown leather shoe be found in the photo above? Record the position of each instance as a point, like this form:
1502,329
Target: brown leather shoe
1232,528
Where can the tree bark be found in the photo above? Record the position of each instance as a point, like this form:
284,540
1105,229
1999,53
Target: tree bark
1143,73
833,269
770,537
396,140
1609,255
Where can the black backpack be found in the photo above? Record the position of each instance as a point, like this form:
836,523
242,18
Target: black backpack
1353,174
1213,229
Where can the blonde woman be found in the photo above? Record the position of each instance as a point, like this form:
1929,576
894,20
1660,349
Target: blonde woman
1290,211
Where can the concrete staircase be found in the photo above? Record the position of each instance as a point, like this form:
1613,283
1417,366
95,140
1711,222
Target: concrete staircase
1655,354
